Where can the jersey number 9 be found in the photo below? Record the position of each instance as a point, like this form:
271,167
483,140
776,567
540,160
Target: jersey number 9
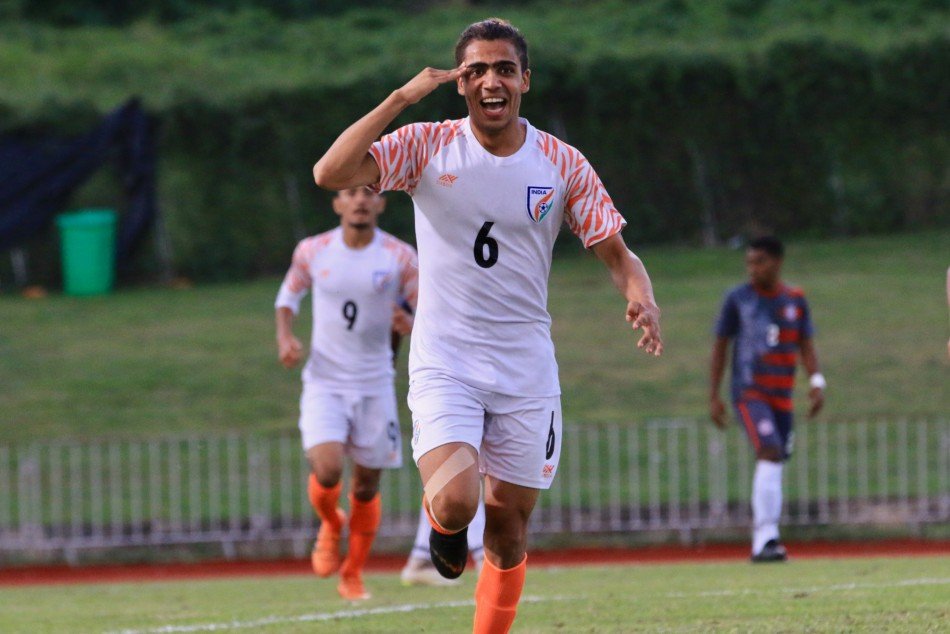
349,313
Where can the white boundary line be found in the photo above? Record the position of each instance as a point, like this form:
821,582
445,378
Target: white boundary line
410,607
315,618
903,583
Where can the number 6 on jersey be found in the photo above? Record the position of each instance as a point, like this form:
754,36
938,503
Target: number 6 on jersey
481,241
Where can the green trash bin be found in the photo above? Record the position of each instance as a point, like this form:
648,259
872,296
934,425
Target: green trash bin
88,248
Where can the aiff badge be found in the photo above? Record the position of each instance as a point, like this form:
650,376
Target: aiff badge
540,202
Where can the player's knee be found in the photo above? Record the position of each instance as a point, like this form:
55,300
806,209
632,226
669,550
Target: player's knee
328,475
365,493
453,510
326,466
365,489
327,478
506,533
507,542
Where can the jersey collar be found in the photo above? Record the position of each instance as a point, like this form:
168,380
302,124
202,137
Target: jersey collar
530,139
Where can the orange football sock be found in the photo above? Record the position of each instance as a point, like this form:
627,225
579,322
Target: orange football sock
364,521
435,525
324,501
496,597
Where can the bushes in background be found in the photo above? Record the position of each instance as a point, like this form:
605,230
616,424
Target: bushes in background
804,130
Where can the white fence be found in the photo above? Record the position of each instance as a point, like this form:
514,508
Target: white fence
681,476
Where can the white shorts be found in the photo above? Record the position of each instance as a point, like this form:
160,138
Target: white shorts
367,425
518,438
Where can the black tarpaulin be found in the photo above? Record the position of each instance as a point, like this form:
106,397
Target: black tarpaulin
38,174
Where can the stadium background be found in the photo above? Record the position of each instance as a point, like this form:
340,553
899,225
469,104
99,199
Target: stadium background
708,121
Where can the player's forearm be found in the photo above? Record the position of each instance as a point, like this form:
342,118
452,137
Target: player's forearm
633,281
339,167
810,357
626,271
284,321
717,366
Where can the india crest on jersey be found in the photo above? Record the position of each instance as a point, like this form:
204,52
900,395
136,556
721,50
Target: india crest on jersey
540,202
381,280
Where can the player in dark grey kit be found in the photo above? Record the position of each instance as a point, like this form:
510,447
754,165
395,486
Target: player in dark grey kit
770,324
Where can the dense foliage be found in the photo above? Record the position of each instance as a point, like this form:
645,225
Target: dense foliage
705,120
121,12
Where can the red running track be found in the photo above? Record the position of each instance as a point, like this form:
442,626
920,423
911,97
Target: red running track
46,575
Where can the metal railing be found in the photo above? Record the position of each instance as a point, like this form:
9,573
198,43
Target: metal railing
671,475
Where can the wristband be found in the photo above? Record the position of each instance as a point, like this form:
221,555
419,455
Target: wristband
817,380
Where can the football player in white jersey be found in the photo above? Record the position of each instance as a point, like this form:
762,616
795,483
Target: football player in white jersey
359,276
490,194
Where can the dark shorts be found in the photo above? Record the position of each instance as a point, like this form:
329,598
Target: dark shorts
766,426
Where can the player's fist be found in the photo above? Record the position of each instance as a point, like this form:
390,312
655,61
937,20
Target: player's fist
647,317
717,412
289,351
427,81
402,321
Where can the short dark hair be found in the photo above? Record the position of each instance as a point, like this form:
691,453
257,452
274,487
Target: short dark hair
493,29
770,244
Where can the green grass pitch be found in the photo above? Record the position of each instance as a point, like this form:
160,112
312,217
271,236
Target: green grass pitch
833,595
152,361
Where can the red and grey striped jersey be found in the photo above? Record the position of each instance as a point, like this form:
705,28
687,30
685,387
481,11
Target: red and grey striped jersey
768,330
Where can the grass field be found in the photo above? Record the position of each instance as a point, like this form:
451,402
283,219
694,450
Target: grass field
840,595
151,361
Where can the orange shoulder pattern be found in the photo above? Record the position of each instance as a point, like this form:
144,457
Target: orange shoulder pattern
590,212
404,153
298,276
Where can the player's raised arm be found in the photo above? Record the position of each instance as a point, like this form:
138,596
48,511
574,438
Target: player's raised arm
631,279
348,163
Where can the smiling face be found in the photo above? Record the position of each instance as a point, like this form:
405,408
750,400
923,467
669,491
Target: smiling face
492,85
358,207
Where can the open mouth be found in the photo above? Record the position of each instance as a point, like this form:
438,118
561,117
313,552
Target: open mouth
493,105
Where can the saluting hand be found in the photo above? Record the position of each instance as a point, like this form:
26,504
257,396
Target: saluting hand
647,317
427,81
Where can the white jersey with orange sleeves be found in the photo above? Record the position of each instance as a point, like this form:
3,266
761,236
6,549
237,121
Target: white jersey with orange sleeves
485,228
353,295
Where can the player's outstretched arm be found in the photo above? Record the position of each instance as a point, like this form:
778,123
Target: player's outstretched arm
348,163
631,279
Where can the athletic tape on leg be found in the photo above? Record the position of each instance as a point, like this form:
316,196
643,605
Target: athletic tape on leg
454,465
